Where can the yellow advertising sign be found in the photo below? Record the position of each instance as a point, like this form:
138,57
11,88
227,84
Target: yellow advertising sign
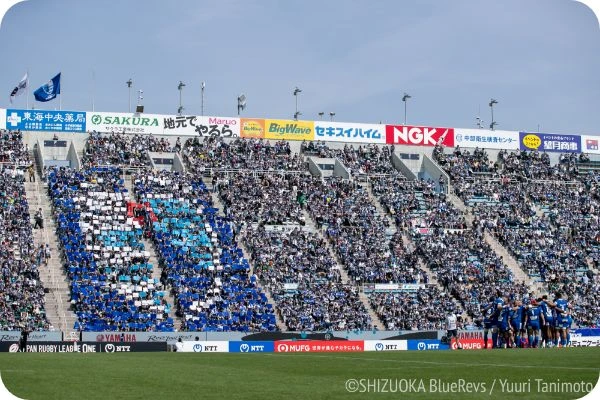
289,130
252,128
532,141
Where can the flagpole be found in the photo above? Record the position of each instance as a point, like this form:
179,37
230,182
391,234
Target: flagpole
27,91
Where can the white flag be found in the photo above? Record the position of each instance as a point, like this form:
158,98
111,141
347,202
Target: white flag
20,88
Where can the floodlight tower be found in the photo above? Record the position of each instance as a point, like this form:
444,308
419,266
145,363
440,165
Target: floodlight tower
404,99
295,93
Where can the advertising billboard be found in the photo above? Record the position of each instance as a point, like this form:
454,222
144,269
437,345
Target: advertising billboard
550,142
252,128
349,132
289,130
419,135
192,125
482,138
125,123
46,120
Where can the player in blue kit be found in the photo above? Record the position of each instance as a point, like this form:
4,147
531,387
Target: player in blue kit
497,319
516,322
548,327
534,319
488,321
504,325
562,319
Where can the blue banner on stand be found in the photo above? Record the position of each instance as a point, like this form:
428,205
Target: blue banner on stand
556,143
45,120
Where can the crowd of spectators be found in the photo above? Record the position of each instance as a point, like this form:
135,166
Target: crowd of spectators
240,154
22,300
301,275
112,287
369,159
202,263
545,215
423,309
123,150
12,149
415,204
263,198
467,267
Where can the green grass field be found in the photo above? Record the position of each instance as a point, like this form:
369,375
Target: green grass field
296,376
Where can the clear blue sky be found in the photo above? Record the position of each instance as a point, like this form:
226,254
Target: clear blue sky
539,58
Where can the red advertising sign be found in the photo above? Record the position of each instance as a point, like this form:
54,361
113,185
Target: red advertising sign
472,344
419,135
284,346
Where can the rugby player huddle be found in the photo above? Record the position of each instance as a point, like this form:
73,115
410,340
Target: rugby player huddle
541,323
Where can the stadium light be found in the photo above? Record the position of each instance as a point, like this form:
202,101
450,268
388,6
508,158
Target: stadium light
140,107
480,122
492,102
321,115
331,115
241,102
180,88
404,99
295,93
129,83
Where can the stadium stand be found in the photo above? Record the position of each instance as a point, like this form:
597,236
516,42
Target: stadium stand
202,263
545,215
22,300
111,284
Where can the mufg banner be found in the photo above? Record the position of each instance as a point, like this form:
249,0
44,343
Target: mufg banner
46,120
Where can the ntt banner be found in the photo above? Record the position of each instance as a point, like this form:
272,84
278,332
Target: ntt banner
352,133
556,143
386,345
281,129
481,138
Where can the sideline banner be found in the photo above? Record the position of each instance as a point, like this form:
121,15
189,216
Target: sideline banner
329,346
289,130
191,125
347,132
425,345
386,345
35,336
251,347
550,142
419,135
205,347
83,347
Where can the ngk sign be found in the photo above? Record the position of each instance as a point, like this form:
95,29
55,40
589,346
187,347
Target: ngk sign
419,135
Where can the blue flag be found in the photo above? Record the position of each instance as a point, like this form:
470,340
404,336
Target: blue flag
48,91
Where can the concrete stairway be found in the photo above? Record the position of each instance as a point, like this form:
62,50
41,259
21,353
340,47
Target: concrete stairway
310,224
156,271
278,321
52,275
391,229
